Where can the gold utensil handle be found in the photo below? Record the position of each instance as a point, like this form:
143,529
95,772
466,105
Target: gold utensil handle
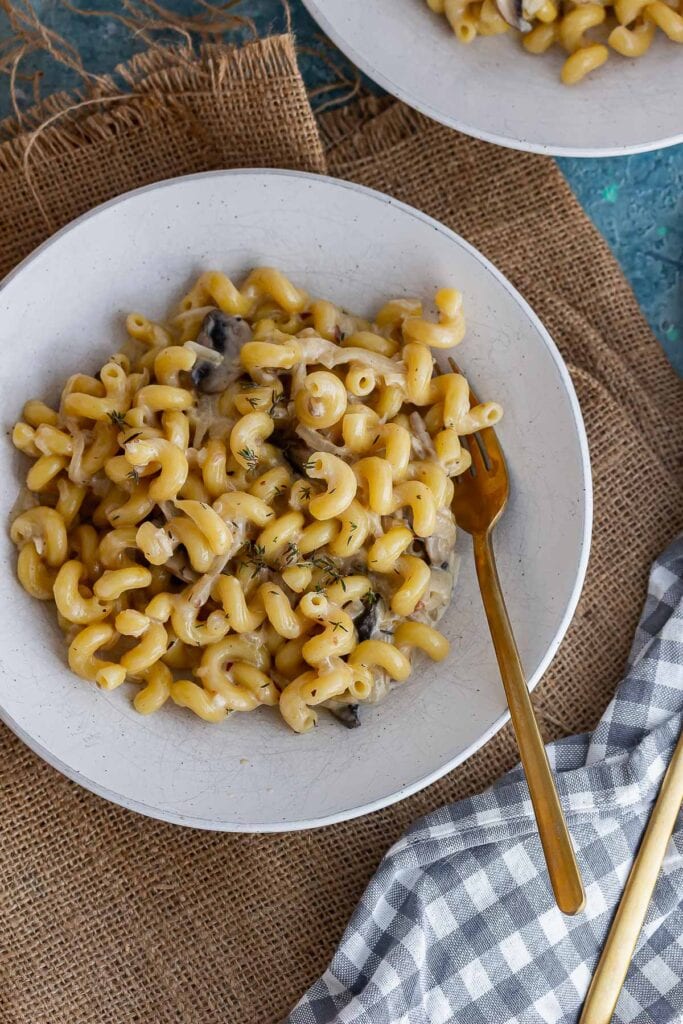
612,968
555,839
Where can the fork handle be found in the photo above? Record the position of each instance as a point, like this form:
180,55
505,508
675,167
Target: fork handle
555,839
614,963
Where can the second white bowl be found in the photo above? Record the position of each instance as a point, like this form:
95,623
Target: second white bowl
494,90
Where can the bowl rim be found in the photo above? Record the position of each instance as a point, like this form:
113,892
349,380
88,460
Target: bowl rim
344,814
508,142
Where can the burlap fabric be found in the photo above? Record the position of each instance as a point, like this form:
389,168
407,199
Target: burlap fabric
110,918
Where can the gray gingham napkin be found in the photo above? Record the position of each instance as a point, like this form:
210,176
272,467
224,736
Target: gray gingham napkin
459,923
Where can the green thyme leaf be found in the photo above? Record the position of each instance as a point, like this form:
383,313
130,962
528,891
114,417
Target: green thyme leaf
118,419
370,598
250,457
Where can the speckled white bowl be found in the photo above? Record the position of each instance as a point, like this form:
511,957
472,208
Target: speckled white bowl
62,311
496,91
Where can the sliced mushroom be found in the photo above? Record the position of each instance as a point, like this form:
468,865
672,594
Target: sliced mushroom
511,11
367,623
294,452
518,12
224,335
347,714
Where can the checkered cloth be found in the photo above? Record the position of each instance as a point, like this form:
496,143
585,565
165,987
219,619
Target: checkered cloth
459,923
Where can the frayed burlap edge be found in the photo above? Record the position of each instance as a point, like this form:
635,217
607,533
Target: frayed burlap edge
157,80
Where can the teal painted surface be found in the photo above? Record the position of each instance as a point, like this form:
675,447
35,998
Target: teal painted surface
636,202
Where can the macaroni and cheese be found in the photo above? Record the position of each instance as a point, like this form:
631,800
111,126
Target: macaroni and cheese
585,31
250,504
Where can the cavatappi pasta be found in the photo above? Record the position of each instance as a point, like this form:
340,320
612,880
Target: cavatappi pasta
588,33
251,504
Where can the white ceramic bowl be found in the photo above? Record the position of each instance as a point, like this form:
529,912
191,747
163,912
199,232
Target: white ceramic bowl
494,90
62,311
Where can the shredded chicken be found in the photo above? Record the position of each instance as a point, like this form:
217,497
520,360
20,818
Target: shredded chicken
25,500
167,509
75,470
179,566
193,315
319,443
202,352
441,544
299,373
438,597
423,446
202,589
374,523
329,355
207,411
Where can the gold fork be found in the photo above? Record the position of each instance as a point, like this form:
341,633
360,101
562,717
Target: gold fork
610,974
480,498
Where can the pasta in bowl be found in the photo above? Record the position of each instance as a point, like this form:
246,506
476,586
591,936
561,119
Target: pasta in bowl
562,78
250,504
67,311
587,32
